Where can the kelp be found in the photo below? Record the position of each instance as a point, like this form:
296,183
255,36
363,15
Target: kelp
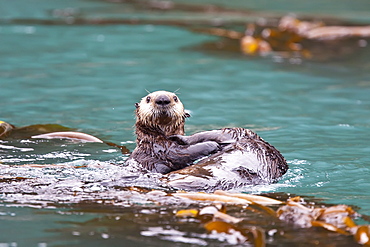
9,131
50,131
206,217
290,38
337,218
244,31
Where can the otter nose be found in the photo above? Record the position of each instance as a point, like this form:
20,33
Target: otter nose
163,100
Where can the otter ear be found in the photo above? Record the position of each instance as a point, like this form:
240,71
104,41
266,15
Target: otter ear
137,105
187,115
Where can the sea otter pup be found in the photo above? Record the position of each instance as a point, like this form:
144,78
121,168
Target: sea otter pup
221,159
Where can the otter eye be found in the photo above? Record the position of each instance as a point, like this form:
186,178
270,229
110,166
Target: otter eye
148,99
175,98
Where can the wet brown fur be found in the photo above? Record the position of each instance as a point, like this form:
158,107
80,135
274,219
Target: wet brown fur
160,115
154,122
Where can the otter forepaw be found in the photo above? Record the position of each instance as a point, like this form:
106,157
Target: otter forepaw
209,147
179,139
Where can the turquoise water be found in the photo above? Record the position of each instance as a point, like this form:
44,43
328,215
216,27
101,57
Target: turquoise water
88,77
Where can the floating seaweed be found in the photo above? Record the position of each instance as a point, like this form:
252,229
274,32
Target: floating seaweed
338,218
242,31
290,38
237,218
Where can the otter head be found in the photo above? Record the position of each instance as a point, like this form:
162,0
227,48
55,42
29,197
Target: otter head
160,113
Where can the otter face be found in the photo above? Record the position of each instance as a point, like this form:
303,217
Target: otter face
163,110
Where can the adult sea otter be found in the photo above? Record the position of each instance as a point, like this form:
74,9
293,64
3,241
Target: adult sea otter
219,159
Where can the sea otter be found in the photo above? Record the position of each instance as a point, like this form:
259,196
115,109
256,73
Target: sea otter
221,159
160,116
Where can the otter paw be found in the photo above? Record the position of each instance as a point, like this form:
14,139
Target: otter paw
179,139
210,147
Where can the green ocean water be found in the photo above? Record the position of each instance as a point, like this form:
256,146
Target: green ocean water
88,77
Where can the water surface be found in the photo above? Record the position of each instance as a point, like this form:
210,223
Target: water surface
88,77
